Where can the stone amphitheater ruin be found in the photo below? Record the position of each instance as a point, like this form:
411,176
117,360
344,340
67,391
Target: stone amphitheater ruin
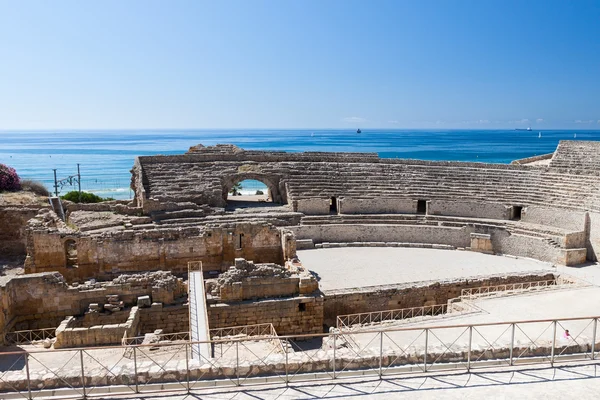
117,274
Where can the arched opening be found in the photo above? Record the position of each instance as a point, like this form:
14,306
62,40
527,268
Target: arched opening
250,190
71,253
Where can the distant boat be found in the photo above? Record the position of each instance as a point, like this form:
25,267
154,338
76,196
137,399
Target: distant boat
358,131
574,135
520,129
312,134
540,134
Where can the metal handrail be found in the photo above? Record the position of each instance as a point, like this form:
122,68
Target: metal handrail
29,336
487,291
260,330
438,352
346,321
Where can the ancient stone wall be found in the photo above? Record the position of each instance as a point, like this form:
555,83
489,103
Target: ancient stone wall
289,316
73,332
106,255
592,227
43,300
457,237
349,205
246,280
413,294
13,236
476,209
171,319
565,219
305,177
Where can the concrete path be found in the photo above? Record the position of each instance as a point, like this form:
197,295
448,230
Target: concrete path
198,317
569,382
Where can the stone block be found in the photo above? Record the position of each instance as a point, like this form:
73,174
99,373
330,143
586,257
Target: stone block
144,301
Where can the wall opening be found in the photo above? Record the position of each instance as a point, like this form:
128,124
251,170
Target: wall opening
248,193
333,205
301,307
517,212
421,206
240,238
71,253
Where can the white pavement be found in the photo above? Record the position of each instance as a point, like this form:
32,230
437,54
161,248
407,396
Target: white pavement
566,382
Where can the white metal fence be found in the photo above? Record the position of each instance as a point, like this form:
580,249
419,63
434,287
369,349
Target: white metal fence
95,372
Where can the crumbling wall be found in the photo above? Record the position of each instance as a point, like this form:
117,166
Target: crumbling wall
71,333
107,255
43,300
414,294
13,235
289,316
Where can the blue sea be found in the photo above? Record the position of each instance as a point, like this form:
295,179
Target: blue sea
106,157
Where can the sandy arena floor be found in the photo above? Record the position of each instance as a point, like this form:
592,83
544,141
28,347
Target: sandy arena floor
350,267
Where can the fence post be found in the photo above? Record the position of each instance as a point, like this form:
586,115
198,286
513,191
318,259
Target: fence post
287,379
187,365
469,353
137,389
28,379
553,345
594,339
82,374
425,355
334,351
380,354
237,362
512,343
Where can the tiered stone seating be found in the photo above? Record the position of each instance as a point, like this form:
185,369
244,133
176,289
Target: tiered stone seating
572,154
198,178
550,234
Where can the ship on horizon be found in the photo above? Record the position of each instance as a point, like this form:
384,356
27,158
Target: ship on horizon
523,129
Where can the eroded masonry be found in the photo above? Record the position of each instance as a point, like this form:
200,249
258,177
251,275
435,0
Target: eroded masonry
119,269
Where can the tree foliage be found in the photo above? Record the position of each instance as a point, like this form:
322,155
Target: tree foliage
9,180
84,197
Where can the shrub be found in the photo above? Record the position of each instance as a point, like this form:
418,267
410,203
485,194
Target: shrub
35,187
259,192
85,197
9,180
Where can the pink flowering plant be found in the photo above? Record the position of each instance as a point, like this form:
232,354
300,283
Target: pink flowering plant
9,180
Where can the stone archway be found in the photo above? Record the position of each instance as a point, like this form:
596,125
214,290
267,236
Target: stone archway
272,183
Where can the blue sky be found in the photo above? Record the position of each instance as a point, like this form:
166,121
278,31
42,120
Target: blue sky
299,64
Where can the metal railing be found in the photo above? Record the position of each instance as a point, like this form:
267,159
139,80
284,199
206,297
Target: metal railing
514,288
29,336
162,337
258,330
347,321
156,368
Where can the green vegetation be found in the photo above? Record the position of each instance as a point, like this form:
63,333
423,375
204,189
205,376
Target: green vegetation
236,189
259,192
84,197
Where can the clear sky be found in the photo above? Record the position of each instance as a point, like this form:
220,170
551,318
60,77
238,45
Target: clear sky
299,64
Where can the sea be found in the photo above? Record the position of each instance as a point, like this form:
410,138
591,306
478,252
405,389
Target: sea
105,157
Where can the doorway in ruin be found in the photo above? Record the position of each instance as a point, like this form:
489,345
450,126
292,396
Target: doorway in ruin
71,253
250,191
